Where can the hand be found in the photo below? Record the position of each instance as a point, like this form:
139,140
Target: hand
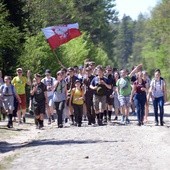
29,107
112,96
28,73
19,101
143,89
34,88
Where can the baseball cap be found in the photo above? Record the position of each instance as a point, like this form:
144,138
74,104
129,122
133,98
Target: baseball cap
47,71
19,69
70,69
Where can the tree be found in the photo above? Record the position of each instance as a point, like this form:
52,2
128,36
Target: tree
124,40
9,42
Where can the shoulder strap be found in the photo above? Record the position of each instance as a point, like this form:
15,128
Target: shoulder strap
12,88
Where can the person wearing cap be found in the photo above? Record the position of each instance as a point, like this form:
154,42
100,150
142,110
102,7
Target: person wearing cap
70,81
19,83
59,97
99,84
39,99
7,93
48,80
77,98
88,96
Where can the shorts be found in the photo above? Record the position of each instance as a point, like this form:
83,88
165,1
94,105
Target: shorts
22,105
50,101
109,100
99,102
8,103
124,101
39,109
116,103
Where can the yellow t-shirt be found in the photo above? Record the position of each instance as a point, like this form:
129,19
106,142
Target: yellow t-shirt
77,94
19,84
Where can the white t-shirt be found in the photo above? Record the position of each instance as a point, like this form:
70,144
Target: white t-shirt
157,88
49,82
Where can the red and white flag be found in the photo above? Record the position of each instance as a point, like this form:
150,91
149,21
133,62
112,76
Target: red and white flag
61,34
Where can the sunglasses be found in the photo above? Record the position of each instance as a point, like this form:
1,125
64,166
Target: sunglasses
19,71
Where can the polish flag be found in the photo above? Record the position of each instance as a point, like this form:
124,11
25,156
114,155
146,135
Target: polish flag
61,34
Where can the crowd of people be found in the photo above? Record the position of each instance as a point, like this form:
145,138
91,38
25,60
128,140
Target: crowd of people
87,91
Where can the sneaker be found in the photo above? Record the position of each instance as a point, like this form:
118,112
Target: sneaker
133,113
156,124
139,124
79,125
116,118
19,122
99,121
105,120
60,126
127,120
123,120
162,123
49,121
52,118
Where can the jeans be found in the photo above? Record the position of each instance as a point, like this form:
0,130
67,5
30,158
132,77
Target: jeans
78,113
59,108
158,102
140,100
90,108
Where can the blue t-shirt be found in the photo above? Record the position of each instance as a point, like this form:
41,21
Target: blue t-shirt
102,89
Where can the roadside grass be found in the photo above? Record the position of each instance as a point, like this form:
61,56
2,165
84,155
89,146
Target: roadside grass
5,163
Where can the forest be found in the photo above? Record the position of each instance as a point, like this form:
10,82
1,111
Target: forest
105,38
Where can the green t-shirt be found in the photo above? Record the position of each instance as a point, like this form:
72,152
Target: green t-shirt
19,84
124,86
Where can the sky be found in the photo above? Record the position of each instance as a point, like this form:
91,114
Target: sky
134,7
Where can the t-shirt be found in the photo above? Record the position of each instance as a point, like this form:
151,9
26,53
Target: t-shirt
101,88
7,90
49,82
124,86
86,82
70,83
111,81
77,94
60,93
39,96
157,87
19,84
139,86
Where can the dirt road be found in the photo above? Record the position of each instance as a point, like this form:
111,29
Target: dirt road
108,147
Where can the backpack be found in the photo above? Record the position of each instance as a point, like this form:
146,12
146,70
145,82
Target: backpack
12,89
160,82
44,81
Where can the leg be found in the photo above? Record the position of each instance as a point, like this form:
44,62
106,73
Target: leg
155,105
161,108
79,115
60,113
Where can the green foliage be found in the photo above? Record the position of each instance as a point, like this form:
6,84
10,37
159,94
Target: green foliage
37,55
9,39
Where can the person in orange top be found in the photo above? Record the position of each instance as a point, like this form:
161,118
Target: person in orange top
77,99
19,83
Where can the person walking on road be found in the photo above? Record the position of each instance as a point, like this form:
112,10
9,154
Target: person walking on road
158,94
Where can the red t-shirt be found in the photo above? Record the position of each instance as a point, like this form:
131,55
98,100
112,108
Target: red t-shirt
139,86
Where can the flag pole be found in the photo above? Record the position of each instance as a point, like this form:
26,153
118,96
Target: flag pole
59,62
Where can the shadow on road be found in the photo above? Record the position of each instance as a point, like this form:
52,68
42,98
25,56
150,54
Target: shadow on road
7,147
